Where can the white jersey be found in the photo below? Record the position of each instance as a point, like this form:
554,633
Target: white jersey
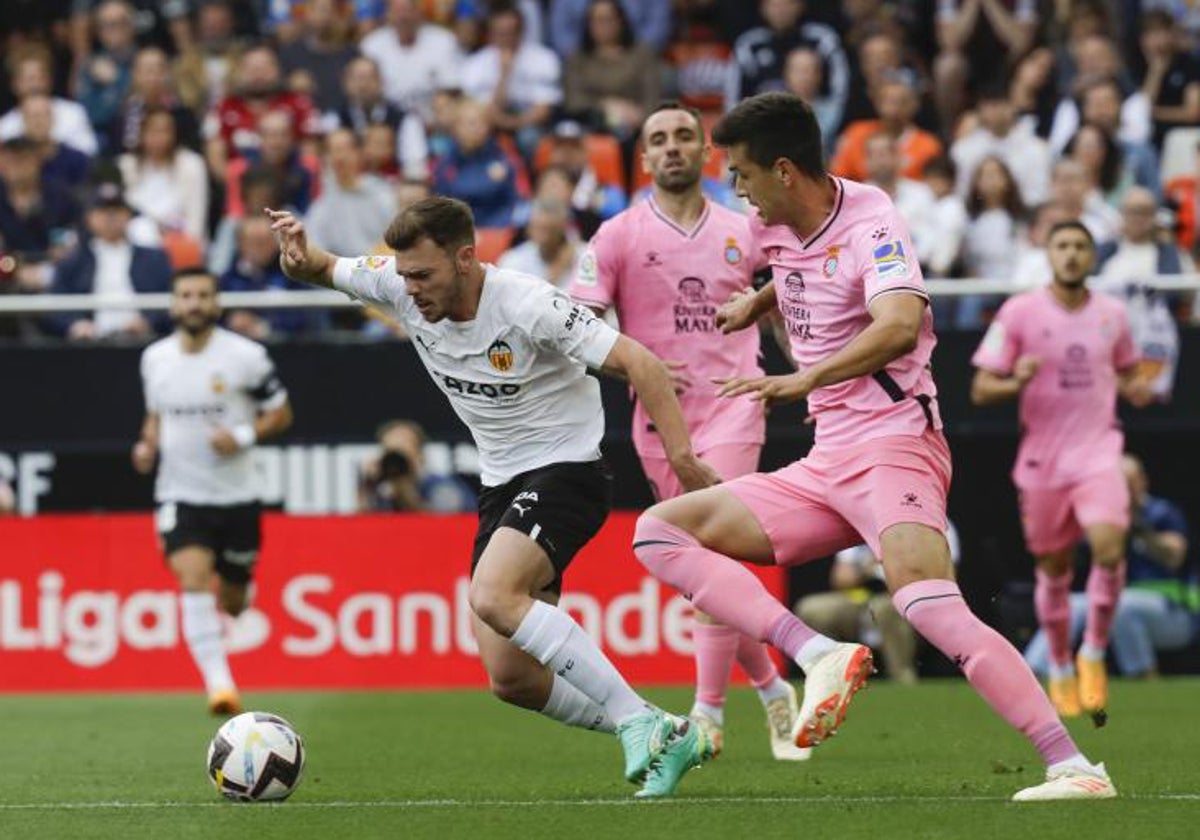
224,385
516,374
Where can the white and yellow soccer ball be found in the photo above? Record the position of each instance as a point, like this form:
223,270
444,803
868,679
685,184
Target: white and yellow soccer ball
256,757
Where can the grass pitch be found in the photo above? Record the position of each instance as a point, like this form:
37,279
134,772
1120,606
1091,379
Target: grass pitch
926,762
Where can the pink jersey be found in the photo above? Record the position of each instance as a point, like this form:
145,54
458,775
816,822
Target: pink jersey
666,284
1069,408
825,285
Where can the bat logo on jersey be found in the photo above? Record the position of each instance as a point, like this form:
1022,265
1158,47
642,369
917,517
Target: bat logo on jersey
890,260
733,254
829,268
218,384
694,312
501,356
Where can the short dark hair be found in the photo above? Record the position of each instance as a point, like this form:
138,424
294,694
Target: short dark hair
626,38
941,166
1071,224
446,221
194,271
675,105
774,125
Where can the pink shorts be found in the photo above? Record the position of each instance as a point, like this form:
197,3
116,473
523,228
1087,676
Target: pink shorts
729,460
836,499
1054,518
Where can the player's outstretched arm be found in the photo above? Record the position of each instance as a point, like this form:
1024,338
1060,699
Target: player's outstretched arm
655,389
744,308
989,388
300,259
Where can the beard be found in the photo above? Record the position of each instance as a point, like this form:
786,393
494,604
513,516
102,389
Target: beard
196,324
679,181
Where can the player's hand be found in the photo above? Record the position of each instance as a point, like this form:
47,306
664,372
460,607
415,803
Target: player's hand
679,375
293,241
223,442
1025,369
693,473
1139,392
737,313
769,389
144,455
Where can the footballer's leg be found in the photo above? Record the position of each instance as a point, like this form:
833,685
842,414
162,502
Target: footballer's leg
1052,603
193,566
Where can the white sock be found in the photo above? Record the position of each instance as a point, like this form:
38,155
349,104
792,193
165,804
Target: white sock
553,638
812,650
569,705
1075,762
1058,672
202,631
777,689
1089,652
717,713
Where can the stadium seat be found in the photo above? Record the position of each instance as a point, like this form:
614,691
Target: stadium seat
490,243
1179,153
183,251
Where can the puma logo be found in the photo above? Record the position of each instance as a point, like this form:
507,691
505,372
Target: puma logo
520,509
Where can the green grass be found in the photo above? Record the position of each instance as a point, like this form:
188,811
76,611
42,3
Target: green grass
928,762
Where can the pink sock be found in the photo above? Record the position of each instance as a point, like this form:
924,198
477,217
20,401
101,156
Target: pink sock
993,667
756,661
1052,601
716,584
1104,585
716,647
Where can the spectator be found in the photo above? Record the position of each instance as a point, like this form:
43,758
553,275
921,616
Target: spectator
151,87
897,103
31,71
354,208
165,181
649,19
38,216
231,130
259,186
278,150
315,60
477,170
1070,190
950,217
858,606
1001,30
1098,60
364,107
1032,269
879,57
163,24
552,249
803,75
204,71
397,480
440,127
1159,608
591,195
60,162
1101,105
998,135
1034,92
107,263
414,58
996,212
915,201
611,81
105,76
1172,80
758,55
521,81
1100,156
379,153
1183,195
256,269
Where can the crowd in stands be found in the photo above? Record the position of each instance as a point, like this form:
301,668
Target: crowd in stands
138,135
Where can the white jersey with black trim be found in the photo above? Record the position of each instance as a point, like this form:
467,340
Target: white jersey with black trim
516,374
226,384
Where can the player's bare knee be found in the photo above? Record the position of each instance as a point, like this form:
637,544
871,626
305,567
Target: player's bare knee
499,607
1056,563
914,553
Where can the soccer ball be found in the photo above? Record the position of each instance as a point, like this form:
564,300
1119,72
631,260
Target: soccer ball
256,757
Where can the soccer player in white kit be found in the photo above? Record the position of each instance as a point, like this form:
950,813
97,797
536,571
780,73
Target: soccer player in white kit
665,265
511,354
210,396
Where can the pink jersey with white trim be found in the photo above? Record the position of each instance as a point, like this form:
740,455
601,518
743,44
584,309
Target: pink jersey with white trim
1069,419
825,285
666,284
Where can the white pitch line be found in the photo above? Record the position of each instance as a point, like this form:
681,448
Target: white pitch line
559,803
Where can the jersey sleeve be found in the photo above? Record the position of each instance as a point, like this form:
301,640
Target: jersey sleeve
263,383
888,259
1125,352
563,326
371,279
600,269
1001,344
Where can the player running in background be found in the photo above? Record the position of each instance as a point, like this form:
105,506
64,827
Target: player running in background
511,354
1066,352
210,396
664,265
853,298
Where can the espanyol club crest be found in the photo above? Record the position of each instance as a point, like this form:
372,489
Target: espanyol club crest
733,254
500,355
829,268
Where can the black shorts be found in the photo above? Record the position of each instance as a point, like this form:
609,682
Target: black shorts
233,533
560,507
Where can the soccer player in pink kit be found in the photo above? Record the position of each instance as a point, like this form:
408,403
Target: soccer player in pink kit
846,280
1066,352
665,264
